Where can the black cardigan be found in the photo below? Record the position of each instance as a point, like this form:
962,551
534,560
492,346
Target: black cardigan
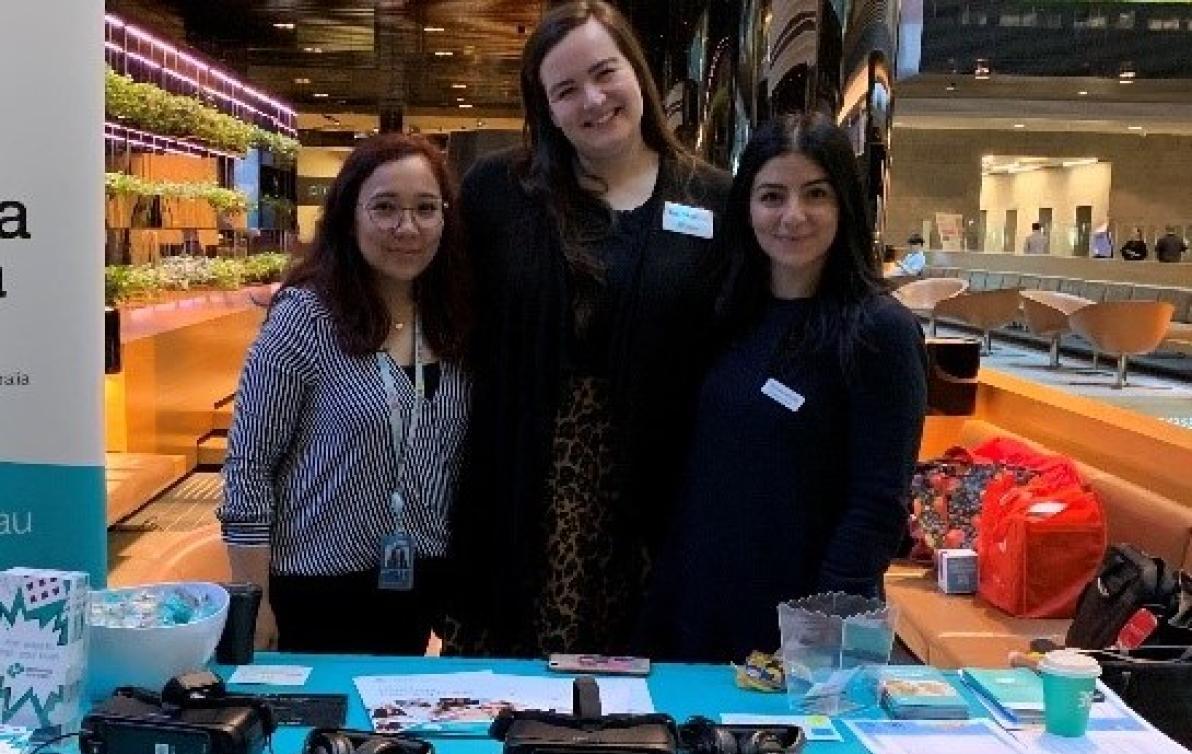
658,323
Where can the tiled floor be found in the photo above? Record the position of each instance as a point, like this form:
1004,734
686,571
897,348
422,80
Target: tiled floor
188,505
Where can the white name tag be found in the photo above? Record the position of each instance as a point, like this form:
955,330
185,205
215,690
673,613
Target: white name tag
783,394
692,221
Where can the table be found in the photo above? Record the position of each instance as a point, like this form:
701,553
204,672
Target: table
680,690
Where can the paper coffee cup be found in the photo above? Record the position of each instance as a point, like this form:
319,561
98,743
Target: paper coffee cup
1069,678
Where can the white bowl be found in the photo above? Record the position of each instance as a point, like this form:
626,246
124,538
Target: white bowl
148,657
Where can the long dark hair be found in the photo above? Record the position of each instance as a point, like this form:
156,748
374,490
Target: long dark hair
335,270
851,272
549,170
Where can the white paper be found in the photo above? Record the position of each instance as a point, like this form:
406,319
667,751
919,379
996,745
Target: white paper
466,703
627,695
815,727
272,675
1113,729
933,737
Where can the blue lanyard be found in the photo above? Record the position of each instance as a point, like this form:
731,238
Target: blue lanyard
397,427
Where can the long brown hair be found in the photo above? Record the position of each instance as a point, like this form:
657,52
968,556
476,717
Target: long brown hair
336,271
550,168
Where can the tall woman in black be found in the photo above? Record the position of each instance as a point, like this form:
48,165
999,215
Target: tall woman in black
809,420
597,275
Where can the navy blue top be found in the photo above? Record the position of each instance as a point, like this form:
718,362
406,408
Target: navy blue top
779,504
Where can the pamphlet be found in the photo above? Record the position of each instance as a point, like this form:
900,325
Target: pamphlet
1017,693
934,737
467,703
919,692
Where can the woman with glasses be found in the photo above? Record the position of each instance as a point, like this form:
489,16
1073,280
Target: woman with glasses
345,443
597,271
809,419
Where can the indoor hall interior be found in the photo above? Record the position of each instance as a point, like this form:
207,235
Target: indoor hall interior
974,161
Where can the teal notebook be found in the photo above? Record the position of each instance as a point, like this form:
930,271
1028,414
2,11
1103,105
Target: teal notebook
919,692
1018,692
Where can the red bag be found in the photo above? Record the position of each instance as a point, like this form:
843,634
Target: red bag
1056,470
1040,543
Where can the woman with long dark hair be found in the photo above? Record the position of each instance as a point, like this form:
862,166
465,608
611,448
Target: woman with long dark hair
810,418
345,445
597,275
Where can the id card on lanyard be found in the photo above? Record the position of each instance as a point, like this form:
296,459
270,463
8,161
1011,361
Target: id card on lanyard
396,570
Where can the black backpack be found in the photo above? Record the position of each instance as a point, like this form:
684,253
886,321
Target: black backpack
1129,580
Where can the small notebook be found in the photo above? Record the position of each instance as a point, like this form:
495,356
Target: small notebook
1016,692
916,692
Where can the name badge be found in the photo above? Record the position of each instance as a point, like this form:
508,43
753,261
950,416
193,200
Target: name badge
783,395
397,563
691,221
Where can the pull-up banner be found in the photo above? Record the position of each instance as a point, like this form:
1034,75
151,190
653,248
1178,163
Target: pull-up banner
51,271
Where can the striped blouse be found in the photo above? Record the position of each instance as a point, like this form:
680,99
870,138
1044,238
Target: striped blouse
310,467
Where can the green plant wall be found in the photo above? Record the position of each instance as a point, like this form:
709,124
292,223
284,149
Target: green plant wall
149,107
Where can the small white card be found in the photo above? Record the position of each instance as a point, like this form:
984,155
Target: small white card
272,675
815,727
692,221
783,394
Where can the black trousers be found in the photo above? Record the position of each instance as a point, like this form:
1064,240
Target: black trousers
348,614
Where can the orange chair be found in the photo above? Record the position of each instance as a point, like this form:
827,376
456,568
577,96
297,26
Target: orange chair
1047,316
1124,328
922,296
984,310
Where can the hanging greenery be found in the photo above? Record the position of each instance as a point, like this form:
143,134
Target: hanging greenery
144,282
153,109
221,199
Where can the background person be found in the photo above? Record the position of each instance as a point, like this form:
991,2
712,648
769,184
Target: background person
1170,248
1134,249
915,260
597,269
809,420
1036,242
351,413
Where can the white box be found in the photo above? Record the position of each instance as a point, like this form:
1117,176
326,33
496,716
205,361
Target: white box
43,647
957,571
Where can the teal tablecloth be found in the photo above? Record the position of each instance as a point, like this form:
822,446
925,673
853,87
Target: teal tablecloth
680,690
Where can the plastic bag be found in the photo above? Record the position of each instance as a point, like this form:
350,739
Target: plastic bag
1038,546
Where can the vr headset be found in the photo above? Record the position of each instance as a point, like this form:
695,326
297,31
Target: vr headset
588,732
192,715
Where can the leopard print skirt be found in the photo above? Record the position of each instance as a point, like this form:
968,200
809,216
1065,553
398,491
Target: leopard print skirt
595,568
593,565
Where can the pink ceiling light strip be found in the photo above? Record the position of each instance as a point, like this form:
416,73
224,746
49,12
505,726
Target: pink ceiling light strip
117,132
167,49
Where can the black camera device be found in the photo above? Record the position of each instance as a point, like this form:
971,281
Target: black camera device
192,715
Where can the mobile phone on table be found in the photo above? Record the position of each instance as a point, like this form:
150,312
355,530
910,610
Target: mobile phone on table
598,664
